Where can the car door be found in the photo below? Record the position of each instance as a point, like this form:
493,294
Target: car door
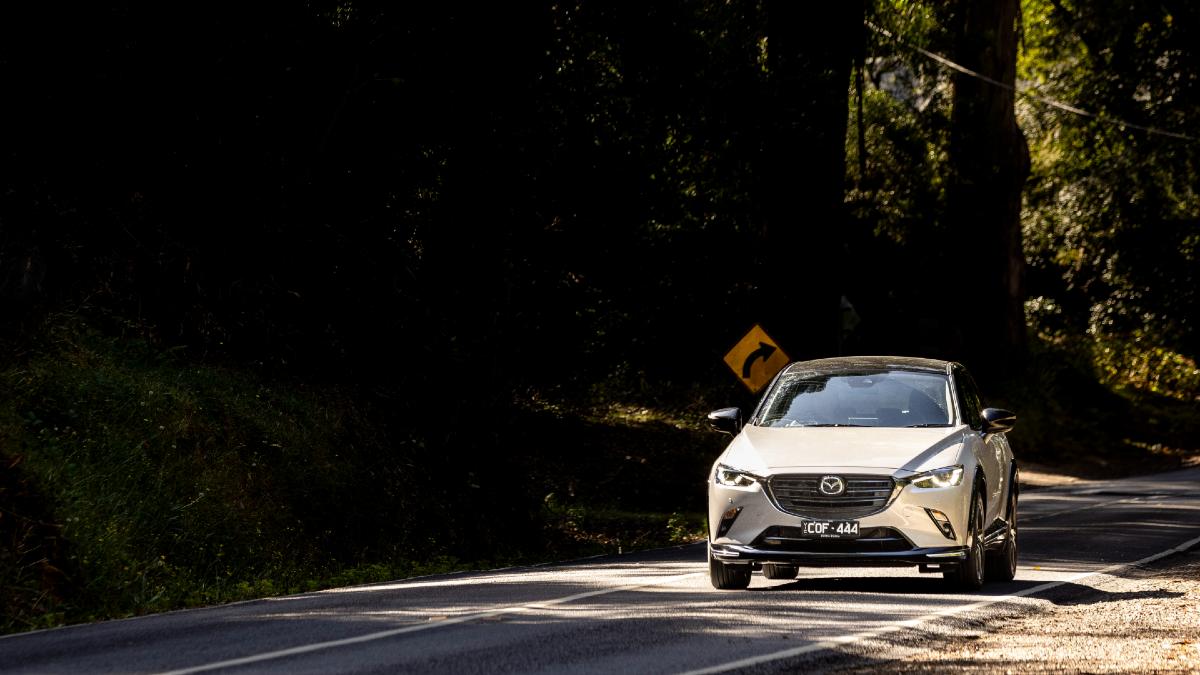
991,447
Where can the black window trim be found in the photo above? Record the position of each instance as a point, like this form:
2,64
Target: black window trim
956,369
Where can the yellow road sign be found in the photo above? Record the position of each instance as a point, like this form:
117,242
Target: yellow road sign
755,359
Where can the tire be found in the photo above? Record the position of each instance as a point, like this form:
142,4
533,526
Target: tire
778,571
727,577
1001,565
969,574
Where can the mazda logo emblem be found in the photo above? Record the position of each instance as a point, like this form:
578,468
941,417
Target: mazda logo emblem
832,485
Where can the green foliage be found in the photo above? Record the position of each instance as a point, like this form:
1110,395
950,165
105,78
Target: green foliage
175,483
599,530
1141,364
1112,213
139,480
1075,415
1135,363
902,193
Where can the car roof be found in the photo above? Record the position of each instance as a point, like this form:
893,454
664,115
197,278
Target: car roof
852,363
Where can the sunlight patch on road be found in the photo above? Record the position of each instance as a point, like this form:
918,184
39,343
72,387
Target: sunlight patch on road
379,635
1022,595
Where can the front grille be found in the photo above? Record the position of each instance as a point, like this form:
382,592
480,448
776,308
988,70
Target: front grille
800,495
870,540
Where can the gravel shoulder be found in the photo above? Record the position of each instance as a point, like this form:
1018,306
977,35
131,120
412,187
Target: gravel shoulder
1034,476
1144,620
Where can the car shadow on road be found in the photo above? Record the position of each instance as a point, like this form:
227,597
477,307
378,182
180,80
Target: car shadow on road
1096,596
1065,594
924,585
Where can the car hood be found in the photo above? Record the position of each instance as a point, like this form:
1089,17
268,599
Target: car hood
766,450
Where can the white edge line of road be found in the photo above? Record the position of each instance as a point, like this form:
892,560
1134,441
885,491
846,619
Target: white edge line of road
379,635
913,623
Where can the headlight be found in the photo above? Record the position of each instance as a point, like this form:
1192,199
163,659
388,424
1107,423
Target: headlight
734,478
938,478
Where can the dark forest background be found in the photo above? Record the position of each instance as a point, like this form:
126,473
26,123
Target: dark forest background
297,294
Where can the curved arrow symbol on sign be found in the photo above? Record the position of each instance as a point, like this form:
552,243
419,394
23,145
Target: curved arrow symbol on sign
764,350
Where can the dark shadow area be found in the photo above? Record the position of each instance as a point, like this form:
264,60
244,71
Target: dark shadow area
298,295
931,584
1119,596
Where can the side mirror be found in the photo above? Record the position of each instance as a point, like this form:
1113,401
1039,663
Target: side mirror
997,420
726,420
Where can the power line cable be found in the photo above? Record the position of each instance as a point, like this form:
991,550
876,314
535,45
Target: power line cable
1028,91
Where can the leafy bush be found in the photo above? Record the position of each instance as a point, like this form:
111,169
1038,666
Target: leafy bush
1135,361
1098,405
138,480
167,483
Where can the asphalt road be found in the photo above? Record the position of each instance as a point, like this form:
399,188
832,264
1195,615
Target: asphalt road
651,612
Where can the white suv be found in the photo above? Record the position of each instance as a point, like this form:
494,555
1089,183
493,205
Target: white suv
865,461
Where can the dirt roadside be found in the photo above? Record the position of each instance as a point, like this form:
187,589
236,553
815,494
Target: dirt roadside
1039,476
1142,620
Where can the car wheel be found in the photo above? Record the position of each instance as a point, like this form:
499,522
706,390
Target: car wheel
1002,564
727,577
968,575
777,571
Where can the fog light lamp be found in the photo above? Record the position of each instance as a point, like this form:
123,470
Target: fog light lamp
942,521
727,519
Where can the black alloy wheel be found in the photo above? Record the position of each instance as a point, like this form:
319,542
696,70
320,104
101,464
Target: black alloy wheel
1002,564
968,575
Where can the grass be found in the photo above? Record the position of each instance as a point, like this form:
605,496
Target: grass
137,481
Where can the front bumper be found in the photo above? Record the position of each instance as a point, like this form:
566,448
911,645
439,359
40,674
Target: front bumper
736,553
907,516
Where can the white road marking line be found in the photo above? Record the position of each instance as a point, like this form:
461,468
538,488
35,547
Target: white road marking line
913,623
380,635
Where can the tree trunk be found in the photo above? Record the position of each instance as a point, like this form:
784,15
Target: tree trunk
991,161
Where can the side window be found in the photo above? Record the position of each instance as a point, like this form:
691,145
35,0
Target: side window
968,398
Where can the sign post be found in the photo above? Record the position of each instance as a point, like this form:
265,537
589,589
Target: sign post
755,359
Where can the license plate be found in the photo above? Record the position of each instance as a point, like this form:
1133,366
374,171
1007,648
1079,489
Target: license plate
830,529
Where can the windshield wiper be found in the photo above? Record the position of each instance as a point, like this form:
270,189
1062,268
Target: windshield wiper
832,424
925,425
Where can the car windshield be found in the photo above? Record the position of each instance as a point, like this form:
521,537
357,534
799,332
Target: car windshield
883,398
